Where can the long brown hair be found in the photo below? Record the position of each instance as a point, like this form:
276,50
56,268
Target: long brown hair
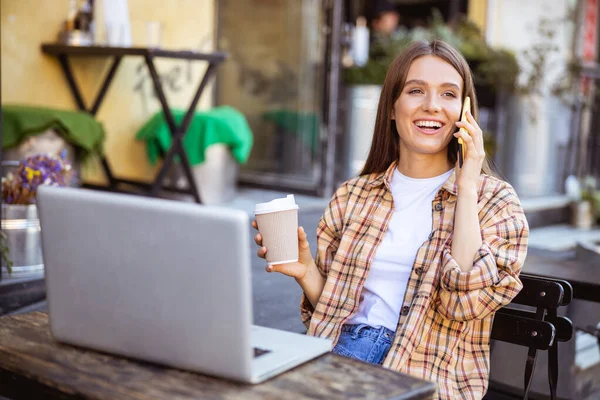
385,147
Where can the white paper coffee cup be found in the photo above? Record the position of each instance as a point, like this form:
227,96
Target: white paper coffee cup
277,222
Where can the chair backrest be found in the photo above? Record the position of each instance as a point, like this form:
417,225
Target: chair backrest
538,327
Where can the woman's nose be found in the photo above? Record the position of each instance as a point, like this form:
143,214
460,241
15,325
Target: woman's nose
430,103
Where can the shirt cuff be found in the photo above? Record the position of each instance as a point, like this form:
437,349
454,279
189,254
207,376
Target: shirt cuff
483,273
306,310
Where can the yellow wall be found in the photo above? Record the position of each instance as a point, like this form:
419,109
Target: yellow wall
32,78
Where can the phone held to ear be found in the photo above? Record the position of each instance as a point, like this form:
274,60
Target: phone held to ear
463,118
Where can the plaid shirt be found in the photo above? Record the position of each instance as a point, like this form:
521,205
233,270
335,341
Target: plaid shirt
443,333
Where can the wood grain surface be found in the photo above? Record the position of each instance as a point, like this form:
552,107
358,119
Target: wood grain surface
33,365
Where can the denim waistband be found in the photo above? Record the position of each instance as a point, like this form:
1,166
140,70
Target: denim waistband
365,330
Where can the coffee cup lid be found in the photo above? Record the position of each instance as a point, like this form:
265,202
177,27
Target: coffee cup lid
282,204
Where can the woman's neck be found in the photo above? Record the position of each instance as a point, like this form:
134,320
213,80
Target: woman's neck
421,166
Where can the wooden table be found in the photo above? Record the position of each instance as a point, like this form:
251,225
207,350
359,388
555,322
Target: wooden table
33,366
583,276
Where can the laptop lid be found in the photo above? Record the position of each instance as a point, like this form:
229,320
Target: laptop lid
165,281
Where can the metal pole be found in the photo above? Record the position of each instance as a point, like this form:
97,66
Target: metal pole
454,10
1,199
328,176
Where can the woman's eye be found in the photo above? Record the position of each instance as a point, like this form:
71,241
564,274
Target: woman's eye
415,91
450,94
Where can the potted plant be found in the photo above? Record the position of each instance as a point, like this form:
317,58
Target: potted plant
494,69
585,201
591,197
21,242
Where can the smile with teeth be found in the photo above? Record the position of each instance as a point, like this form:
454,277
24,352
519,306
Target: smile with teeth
429,125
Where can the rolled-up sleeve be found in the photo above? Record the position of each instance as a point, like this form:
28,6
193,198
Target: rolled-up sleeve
493,281
329,232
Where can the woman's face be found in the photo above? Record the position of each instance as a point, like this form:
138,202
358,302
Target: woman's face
428,106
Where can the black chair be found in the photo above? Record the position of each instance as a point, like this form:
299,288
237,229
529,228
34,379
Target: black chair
538,325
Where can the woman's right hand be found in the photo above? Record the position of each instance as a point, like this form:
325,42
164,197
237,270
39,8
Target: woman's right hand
297,269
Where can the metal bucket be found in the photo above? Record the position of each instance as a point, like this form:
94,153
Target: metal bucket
21,225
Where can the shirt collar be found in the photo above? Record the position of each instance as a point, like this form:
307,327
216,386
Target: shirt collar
450,184
386,177
382,178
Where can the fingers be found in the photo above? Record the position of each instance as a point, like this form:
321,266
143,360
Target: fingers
473,137
304,255
302,241
295,269
261,252
465,136
286,269
475,132
258,239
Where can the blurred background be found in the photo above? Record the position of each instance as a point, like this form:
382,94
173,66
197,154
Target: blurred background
306,76
288,106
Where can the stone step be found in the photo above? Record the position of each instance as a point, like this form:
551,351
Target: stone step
21,291
547,210
561,237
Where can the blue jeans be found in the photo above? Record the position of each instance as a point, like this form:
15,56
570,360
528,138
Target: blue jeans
365,343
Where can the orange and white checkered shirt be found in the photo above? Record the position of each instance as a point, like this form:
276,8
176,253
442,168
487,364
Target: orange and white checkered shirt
443,333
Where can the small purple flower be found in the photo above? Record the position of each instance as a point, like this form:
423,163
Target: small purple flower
20,187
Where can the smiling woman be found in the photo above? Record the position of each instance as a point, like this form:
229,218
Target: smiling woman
430,81
416,254
425,113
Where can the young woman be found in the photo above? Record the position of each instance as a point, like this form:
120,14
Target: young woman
416,254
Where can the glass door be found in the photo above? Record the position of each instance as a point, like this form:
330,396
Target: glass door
276,76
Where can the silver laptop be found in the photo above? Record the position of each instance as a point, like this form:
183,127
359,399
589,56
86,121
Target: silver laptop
159,280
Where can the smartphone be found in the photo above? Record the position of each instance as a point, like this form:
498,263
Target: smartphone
463,118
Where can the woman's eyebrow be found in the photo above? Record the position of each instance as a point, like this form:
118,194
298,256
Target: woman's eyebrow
416,82
450,84
423,83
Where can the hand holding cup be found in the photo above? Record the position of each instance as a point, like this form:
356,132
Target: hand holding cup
282,242
297,269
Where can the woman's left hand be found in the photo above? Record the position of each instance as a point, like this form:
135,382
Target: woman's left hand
468,175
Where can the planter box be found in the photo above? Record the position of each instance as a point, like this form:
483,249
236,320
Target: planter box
216,177
361,112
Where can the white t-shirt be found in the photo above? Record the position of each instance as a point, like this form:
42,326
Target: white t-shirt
410,226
